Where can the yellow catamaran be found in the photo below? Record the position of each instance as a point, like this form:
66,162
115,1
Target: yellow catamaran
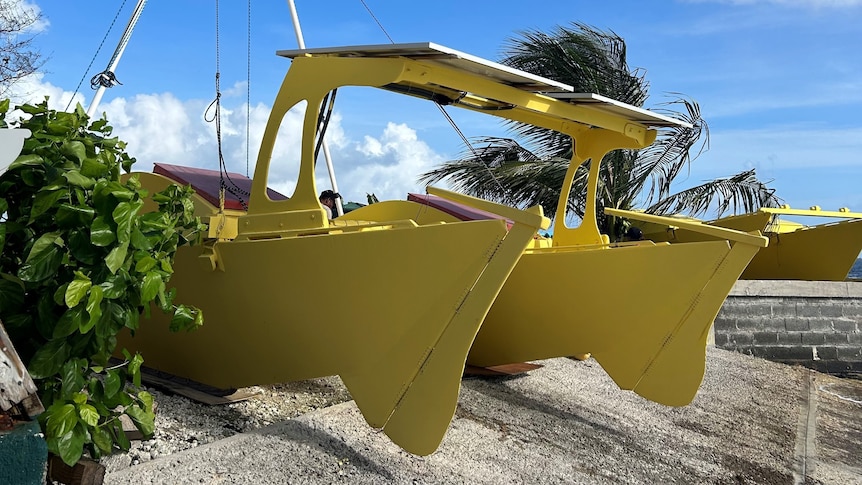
422,283
820,252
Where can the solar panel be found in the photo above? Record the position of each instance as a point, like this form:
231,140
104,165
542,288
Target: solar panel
430,52
435,53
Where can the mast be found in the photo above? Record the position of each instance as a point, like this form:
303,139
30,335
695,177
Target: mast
107,79
299,39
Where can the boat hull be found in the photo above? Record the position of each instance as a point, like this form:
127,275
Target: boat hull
393,310
823,252
603,301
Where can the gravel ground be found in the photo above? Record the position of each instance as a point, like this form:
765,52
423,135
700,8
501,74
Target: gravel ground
753,422
182,423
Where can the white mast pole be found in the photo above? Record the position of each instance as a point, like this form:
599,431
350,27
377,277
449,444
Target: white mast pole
107,78
338,207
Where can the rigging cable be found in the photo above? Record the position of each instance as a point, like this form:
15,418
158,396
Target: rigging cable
216,117
248,91
447,116
78,87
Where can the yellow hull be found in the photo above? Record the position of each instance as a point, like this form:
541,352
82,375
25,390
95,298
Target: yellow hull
824,252
819,253
392,297
643,311
558,302
391,308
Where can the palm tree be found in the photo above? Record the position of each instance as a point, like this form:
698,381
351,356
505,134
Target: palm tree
531,172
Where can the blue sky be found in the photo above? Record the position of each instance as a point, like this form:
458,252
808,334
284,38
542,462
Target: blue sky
779,82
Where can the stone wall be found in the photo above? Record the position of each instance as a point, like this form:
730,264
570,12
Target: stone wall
812,323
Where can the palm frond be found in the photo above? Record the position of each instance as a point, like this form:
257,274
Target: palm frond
740,193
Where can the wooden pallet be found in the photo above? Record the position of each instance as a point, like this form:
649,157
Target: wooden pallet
193,390
501,370
18,389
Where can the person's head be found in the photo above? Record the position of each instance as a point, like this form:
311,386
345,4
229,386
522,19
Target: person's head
634,234
327,198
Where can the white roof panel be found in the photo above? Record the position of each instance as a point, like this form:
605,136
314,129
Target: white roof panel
435,53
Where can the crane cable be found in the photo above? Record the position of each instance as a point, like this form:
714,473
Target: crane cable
446,114
248,90
96,54
215,108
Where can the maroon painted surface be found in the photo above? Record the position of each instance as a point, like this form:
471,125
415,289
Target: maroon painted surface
207,183
455,209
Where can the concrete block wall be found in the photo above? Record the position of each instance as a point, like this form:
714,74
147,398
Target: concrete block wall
817,324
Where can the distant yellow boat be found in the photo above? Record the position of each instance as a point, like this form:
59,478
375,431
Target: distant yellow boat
420,282
822,252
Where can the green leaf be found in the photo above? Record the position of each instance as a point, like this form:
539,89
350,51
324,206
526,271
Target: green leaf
101,232
72,379
150,286
77,289
143,420
79,398
117,257
124,216
102,439
145,264
74,149
48,360
186,318
119,435
83,250
44,200
44,258
71,445
147,400
61,419
93,308
135,369
112,383
132,320
29,160
73,216
68,323
92,167
140,241
11,294
114,286
88,414
45,242
76,178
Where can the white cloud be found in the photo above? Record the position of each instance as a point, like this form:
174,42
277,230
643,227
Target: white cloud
32,89
28,9
163,128
387,165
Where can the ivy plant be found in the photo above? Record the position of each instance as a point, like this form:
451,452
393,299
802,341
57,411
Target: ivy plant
80,261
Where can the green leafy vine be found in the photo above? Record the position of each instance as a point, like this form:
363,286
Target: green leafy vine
80,261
